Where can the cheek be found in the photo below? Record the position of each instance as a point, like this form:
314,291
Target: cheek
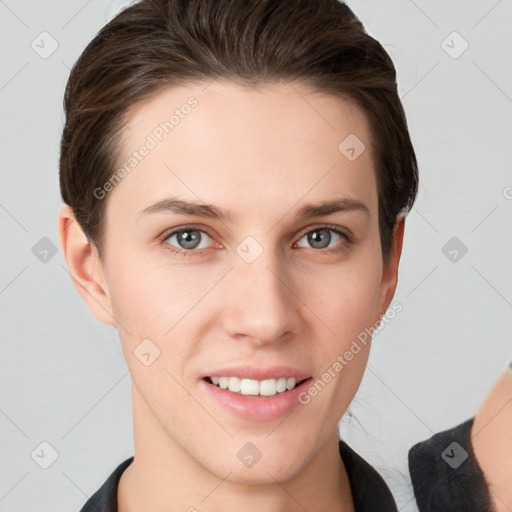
152,295
346,300
156,300
347,305
161,303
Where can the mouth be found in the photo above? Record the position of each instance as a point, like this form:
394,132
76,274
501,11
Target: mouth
257,400
257,388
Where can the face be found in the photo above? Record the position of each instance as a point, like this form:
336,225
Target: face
196,294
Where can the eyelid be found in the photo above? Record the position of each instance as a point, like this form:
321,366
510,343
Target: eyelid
199,227
173,231
346,233
338,229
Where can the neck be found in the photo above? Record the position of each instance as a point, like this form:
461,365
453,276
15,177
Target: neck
164,477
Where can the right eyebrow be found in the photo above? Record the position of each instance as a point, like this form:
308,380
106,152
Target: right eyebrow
174,205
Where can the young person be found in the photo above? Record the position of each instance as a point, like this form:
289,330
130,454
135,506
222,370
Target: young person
236,178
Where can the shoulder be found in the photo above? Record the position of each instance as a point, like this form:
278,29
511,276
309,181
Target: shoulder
369,490
105,498
445,473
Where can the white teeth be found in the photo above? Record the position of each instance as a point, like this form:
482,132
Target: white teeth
290,383
268,387
281,384
234,384
249,387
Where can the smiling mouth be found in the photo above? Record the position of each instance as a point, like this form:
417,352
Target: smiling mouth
252,387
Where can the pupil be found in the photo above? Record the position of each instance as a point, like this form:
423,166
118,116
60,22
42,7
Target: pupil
314,237
188,239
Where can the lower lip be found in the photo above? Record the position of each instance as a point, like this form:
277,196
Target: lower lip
257,408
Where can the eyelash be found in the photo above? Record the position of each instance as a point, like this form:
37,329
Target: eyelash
342,246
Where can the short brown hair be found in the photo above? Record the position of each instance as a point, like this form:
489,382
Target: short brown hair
155,44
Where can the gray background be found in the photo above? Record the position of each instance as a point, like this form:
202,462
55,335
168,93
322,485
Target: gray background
64,378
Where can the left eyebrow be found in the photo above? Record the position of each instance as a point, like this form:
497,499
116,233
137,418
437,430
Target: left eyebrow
344,204
175,205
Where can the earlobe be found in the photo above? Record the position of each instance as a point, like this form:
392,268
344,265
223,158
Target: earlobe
84,266
390,271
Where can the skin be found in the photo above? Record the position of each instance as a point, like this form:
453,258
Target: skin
492,441
262,155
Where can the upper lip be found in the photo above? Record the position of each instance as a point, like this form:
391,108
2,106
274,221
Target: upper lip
253,372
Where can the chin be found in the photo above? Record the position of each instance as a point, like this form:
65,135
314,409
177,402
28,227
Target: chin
273,465
261,474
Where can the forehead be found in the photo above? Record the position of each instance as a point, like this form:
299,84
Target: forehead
230,144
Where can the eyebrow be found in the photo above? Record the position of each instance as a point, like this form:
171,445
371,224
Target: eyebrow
180,206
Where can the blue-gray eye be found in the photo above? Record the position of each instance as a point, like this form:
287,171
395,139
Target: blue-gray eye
320,238
188,238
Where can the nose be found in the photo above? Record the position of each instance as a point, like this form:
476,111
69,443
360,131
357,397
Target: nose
260,303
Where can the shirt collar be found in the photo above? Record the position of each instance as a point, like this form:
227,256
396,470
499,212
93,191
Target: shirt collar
369,491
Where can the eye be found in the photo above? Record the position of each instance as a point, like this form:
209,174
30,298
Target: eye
321,238
187,239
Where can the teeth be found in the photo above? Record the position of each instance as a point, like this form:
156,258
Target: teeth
267,387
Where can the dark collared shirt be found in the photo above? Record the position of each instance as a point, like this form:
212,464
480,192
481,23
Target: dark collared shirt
370,492
445,474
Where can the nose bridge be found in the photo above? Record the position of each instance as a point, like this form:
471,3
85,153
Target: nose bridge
260,304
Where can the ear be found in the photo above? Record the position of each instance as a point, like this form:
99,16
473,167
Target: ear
84,266
390,269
